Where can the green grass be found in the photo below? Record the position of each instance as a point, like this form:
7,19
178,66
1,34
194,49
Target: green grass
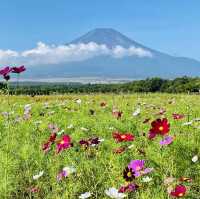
21,155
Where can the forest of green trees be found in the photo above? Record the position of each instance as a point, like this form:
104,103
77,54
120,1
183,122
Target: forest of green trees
178,85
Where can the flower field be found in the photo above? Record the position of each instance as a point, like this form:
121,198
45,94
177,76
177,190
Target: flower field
142,146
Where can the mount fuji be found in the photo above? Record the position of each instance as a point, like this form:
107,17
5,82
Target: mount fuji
113,55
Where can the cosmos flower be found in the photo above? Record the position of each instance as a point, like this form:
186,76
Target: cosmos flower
85,195
136,165
146,179
90,142
128,188
18,70
139,168
187,123
5,71
62,174
35,177
65,172
123,137
114,193
103,104
34,189
179,191
166,141
46,146
78,101
159,127
195,158
117,114
64,143
53,128
136,112
178,116
129,174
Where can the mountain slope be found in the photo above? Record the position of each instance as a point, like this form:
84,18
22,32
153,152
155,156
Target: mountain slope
160,64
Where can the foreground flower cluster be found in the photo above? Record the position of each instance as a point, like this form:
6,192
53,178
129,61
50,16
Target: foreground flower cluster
129,152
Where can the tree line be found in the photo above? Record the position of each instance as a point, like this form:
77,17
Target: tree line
178,85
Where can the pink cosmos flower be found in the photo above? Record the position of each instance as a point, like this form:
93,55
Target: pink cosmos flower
178,116
167,140
138,167
62,174
64,143
18,70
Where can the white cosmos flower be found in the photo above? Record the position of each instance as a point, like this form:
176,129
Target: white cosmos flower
187,123
195,158
78,101
131,146
40,174
84,129
113,193
85,195
146,179
69,169
137,112
70,126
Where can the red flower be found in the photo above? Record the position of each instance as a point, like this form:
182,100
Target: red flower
123,137
117,114
52,137
18,70
160,127
64,143
47,145
103,104
179,191
178,116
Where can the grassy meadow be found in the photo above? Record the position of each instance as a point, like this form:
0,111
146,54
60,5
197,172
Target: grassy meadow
28,171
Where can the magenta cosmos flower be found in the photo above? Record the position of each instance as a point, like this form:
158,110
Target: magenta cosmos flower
139,168
179,191
64,143
5,72
18,70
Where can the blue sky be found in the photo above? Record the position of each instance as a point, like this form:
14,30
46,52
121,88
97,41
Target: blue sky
170,26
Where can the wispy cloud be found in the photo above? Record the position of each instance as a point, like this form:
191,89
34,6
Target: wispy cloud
44,54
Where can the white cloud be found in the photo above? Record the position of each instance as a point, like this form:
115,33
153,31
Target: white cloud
44,54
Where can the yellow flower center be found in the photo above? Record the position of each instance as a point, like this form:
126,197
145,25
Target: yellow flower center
129,174
180,194
62,142
161,128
